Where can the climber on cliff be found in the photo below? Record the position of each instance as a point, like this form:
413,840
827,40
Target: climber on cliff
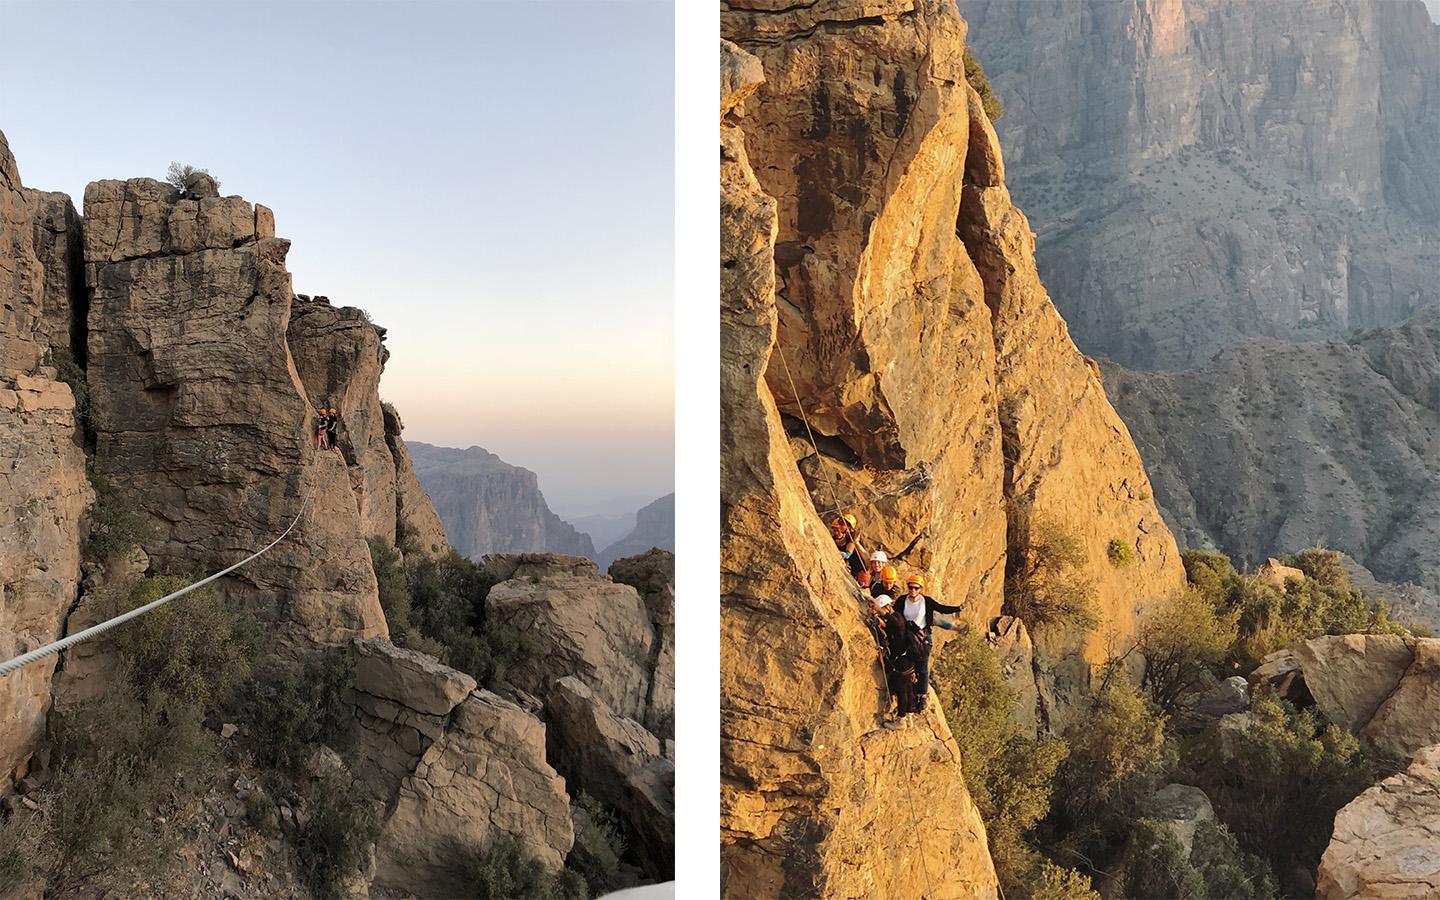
322,431
847,540
921,610
878,559
897,654
332,427
885,583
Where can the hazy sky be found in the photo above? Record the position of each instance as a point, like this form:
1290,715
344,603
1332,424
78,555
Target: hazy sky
492,181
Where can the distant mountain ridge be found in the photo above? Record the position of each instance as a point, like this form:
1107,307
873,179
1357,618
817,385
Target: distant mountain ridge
654,527
490,506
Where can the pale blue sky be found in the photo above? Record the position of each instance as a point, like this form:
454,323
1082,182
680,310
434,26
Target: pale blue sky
493,181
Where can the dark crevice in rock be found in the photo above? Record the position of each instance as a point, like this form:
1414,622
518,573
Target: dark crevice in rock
824,444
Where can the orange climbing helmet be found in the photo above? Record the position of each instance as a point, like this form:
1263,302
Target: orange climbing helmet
332,412
887,573
915,580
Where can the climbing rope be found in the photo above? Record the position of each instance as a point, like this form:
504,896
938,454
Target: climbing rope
890,700
65,643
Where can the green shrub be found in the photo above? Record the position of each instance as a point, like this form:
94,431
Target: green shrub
182,177
116,523
506,871
1042,583
975,74
1009,775
289,711
1183,638
69,371
337,836
1120,553
1228,870
394,593
1058,883
193,648
1291,772
598,848
115,760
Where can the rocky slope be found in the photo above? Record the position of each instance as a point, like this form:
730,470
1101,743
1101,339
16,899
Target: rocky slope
1275,447
1202,171
879,292
654,528
490,506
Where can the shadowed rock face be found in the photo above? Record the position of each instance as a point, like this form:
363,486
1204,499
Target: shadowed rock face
43,490
490,506
199,411
1203,171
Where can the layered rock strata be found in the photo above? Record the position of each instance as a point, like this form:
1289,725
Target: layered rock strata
199,411
652,574
1384,846
490,506
43,489
1203,171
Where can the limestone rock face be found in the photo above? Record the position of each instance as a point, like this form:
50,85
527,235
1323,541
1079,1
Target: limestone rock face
486,776
199,411
654,527
808,781
1382,686
925,379
1225,169
43,489
1274,447
59,240
621,764
490,506
1384,846
652,574
412,504
589,627
339,356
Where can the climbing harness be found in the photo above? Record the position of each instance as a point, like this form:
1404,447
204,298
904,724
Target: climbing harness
66,643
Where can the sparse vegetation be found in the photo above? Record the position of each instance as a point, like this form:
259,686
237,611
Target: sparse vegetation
182,177
507,871
1183,639
975,74
116,523
339,833
69,371
288,711
1120,553
1043,585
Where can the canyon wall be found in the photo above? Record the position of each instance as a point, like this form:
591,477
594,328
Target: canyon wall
1203,171
887,350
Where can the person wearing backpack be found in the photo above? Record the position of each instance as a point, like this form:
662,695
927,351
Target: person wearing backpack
920,610
898,658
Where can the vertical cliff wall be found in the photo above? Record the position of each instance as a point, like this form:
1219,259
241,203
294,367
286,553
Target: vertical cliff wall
879,287
1202,171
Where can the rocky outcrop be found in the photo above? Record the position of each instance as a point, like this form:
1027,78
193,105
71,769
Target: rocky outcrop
43,490
654,528
483,778
1273,448
490,506
1383,686
1222,169
199,412
619,763
1384,845
588,627
652,574
807,781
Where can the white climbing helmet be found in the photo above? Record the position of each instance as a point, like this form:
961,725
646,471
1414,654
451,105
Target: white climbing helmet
879,556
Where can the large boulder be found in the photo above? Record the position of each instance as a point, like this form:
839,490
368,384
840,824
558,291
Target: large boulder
652,573
587,625
1350,675
1384,846
1410,717
619,763
403,700
484,778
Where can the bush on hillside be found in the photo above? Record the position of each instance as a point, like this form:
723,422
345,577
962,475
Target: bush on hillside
287,711
194,648
116,523
507,871
69,371
598,848
1043,585
1120,553
1156,865
975,75
337,836
1182,638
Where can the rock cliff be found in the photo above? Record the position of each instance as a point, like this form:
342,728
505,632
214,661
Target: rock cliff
490,506
886,349
654,528
1202,171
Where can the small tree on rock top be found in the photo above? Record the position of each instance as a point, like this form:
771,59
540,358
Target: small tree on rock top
183,177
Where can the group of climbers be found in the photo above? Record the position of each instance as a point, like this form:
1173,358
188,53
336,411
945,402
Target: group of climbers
902,625
325,430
